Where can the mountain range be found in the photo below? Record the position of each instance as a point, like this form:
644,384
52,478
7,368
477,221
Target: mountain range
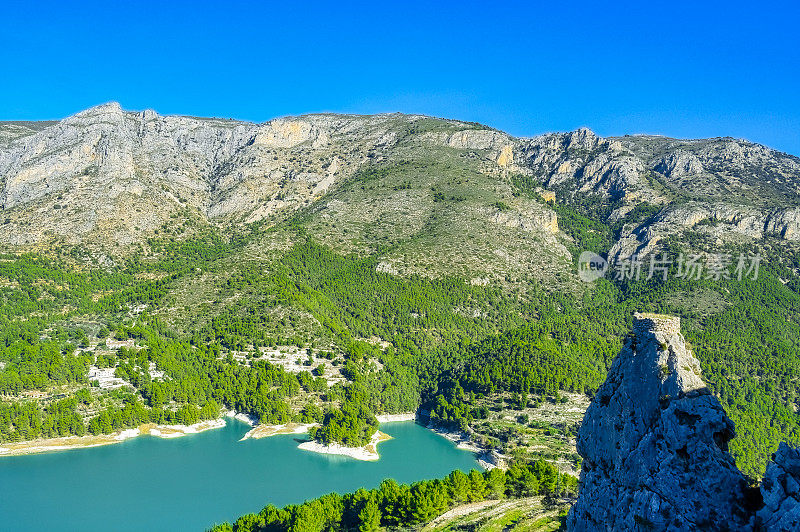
432,196
326,268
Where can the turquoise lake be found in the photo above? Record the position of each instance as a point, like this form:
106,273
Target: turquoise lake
193,482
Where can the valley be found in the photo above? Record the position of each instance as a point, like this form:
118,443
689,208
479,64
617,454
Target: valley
324,270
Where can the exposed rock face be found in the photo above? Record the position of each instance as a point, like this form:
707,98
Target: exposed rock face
655,449
654,443
478,139
680,164
534,220
732,223
109,176
781,492
737,189
106,174
587,163
107,180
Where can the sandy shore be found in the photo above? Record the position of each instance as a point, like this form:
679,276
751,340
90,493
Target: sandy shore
244,418
389,418
265,431
176,431
46,445
369,452
83,442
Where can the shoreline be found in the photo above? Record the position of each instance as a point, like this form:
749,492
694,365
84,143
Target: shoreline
177,431
244,418
391,418
66,443
367,453
265,431
487,458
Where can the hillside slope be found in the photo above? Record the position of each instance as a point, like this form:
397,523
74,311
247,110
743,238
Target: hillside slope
380,264
435,196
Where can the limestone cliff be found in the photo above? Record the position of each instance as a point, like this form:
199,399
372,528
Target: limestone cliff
655,448
780,490
654,443
447,197
106,174
111,176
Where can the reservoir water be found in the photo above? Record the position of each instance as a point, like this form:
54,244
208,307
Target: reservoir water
193,482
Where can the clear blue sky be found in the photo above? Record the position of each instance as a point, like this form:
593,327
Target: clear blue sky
693,69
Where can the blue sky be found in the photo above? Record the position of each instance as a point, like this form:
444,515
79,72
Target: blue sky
694,69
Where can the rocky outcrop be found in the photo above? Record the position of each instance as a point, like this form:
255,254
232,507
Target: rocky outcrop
735,189
680,164
585,163
530,220
729,223
478,139
781,492
655,448
654,443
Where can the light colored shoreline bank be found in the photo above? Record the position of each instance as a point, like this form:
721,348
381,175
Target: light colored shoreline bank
66,443
368,453
265,431
176,431
244,418
46,445
391,418
487,458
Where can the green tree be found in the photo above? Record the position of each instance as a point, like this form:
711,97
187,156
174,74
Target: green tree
478,488
459,486
369,516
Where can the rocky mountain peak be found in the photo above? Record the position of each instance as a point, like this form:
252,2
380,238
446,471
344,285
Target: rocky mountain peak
99,116
655,443
108,177
582,138
103,109
655,449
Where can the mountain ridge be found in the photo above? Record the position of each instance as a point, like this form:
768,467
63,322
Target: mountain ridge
110,178
424,263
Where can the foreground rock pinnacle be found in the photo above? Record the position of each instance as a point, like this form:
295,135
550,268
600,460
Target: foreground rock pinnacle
780,490
655,444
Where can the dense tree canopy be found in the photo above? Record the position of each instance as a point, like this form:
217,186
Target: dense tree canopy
437,355
399,505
